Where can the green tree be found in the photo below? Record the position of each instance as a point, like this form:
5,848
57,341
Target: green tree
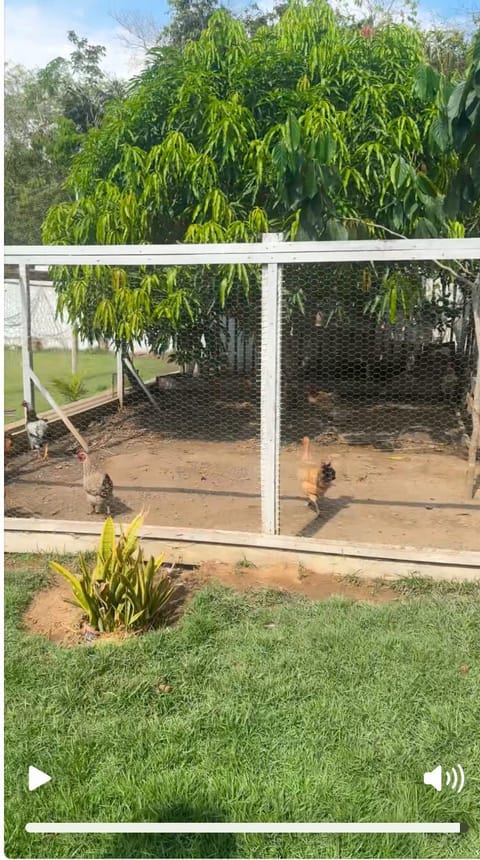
463,109
189,19
313,125
47,113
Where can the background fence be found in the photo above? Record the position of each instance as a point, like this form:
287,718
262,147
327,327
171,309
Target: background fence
368,350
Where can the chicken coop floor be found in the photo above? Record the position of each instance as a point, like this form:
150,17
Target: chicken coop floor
399,498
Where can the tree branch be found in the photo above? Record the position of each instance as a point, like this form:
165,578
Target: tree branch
470,282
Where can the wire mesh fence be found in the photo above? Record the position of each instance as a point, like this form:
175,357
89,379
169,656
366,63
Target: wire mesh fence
184,447
376,363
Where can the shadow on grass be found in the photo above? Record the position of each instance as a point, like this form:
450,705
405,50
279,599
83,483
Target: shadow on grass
177,844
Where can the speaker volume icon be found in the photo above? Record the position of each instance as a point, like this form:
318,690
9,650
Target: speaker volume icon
455,778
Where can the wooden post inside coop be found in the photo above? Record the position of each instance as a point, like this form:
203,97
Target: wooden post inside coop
27,354
74,350
120,381
474,397
270,390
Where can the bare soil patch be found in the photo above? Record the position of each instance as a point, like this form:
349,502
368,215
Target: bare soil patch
196,463
53,615
402,498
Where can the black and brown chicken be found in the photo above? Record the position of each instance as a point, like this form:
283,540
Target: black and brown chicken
314,479
98,485
37,430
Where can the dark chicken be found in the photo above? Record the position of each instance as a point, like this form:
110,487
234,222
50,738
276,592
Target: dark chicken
98,486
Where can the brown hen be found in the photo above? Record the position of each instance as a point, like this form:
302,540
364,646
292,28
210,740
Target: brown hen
314,479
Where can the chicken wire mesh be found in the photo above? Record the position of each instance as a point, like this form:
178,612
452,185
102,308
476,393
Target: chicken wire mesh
57,354
185,445
376,363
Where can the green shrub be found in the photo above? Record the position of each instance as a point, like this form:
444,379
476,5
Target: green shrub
121,590
73,388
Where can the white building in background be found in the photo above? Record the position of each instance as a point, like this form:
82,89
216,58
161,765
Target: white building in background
48,330
52,332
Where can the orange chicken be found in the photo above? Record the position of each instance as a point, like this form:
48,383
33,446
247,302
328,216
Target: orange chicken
314,479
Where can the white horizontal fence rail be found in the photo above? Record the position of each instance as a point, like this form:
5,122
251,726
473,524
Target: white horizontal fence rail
191,546
273,252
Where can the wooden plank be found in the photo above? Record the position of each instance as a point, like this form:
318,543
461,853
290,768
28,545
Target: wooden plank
74,345
475,399
215,254
10,273
26,335
216,538
270,366
128,364
193,553
78,407
60,412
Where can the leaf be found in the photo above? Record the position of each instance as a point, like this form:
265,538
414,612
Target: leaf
336,230
426,83
425,188
78,591
325,147
107,539
399,172
292,134
455,101
439,134
131,533
310,182
67,574
425,229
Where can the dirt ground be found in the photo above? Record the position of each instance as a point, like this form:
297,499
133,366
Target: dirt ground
401,497
194,461
51,614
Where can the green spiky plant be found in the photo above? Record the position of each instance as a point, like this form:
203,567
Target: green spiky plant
71,389
121,591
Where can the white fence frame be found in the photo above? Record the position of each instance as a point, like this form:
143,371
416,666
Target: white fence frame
271,254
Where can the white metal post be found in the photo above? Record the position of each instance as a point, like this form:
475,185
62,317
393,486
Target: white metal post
270,391
27,357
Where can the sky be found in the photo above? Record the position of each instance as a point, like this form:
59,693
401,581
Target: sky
35,31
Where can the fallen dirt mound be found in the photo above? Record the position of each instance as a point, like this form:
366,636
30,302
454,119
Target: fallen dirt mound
53,615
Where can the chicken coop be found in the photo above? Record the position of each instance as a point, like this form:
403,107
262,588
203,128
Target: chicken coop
324,407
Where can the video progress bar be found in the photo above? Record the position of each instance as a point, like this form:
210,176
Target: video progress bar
246,827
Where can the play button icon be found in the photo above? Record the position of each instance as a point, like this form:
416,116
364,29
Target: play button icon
36,778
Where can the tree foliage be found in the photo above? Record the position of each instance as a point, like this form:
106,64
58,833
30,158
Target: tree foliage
312,125
47,113
463,110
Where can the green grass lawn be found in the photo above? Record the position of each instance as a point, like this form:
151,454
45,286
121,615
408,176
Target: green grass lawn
281,710
98,367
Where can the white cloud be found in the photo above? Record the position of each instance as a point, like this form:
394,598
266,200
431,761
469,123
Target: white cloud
35,35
